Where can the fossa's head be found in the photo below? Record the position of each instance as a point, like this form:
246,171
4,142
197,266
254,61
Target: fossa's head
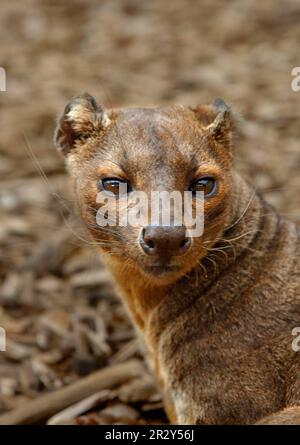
168,149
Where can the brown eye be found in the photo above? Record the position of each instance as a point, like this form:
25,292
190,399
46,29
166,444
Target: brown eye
207,185
115,186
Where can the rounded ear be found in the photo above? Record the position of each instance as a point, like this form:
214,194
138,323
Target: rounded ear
217,120
81,118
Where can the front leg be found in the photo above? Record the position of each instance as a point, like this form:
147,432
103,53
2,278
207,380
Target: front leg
291,414
287,416
170,409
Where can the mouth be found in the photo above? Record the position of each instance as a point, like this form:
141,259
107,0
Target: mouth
160,270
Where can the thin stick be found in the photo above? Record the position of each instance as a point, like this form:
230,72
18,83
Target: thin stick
43,407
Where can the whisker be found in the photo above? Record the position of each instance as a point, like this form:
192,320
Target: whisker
244,212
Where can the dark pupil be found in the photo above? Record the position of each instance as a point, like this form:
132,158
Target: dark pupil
205,185
112,185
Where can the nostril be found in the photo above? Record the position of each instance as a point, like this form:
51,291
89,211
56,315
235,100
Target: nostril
185,244
147,240
150,243
147,243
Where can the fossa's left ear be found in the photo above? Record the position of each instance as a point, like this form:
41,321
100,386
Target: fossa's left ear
217,121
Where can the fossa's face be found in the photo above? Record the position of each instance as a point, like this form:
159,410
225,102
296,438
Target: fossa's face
121,152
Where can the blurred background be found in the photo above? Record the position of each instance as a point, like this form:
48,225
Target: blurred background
57,304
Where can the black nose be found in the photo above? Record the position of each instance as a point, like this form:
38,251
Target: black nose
165,241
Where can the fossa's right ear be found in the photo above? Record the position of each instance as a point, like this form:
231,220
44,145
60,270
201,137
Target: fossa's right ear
81,118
